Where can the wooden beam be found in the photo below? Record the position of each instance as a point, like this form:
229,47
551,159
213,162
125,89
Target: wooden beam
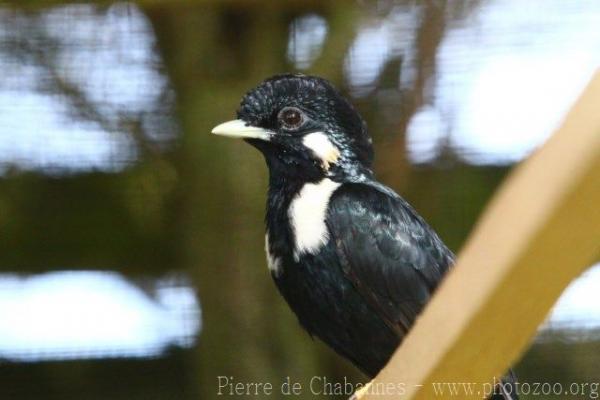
540,232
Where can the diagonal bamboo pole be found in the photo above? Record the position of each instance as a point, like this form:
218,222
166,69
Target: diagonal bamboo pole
540,232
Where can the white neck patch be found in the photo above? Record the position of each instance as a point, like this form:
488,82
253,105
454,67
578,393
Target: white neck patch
321,146
307,216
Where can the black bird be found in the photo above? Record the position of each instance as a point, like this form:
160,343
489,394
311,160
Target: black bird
352,258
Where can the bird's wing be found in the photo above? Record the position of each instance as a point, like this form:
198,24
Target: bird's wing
393,258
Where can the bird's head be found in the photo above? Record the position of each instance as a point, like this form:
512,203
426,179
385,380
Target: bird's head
304,127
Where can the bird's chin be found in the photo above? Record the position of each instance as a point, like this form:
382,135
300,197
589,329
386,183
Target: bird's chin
269,150
262,145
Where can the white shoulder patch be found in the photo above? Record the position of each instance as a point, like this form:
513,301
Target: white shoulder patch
321,146
273,262
307,216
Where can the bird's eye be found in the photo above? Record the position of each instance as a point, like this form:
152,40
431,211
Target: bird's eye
291,118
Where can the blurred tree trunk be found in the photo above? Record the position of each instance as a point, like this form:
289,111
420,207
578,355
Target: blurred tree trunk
214,54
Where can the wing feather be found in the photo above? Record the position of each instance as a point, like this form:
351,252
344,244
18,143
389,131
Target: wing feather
392,257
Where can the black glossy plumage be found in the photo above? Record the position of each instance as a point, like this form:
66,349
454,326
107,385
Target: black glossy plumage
387,251
362,290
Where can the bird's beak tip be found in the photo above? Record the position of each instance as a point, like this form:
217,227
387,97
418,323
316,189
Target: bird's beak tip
225,128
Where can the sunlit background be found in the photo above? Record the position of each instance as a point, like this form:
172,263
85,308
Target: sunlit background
131,253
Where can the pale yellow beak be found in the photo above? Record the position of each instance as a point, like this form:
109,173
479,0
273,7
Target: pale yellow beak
238,129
